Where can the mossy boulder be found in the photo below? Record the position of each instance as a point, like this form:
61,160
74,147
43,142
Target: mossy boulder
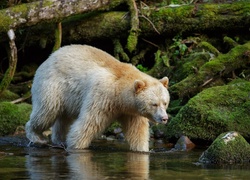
229,147
213,111
12,116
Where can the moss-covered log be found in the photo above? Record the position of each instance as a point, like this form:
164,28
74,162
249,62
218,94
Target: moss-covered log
166,21
222,65
199,17
28,14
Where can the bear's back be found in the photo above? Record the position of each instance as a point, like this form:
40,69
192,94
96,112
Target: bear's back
87,57
81,61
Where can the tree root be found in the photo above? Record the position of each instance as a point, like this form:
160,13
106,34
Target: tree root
58,37
134,31
119,52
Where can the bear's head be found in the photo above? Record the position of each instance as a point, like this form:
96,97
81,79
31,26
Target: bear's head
152,99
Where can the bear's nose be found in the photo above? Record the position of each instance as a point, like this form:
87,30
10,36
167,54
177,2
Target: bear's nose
164,119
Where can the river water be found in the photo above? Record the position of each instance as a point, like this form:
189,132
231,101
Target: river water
110,160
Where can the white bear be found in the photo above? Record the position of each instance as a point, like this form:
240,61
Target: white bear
80,90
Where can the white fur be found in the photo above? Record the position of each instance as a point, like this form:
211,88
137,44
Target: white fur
79,90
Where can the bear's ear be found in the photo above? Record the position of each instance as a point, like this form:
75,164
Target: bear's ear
139,85
165,81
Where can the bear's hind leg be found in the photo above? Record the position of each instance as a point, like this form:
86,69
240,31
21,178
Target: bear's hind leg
136,130
60,130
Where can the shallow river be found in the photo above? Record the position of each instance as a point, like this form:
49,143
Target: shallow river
110,160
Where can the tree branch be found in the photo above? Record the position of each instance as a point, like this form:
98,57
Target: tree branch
8,76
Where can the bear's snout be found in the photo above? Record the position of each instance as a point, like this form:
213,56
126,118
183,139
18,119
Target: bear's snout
164,119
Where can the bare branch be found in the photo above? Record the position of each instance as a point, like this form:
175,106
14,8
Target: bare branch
8,76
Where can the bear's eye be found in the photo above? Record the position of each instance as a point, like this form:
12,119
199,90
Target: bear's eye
154,104
164,103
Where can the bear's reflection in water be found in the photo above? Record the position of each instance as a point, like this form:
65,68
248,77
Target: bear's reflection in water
89,165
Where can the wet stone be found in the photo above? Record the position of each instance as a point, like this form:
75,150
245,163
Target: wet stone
227,148
158,134
184,144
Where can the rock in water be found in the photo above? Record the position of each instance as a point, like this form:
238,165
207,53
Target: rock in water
229,147
184,144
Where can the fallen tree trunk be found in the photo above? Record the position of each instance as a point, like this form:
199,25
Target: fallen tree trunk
28,14
166,21
200,18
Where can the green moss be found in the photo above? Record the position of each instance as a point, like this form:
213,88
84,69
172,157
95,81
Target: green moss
191,18
208,12
58,37
219,66
190,65
212,67
8,96
106,20
175,13
12,115
119,52
159,69
4,21
213,111
229,147
19,8
112,127
8,76
230,41
132,41
209,47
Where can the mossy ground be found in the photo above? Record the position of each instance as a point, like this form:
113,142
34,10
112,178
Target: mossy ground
12,116
8,96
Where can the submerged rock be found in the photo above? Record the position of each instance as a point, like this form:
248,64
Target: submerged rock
184,144
158,134
228,147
